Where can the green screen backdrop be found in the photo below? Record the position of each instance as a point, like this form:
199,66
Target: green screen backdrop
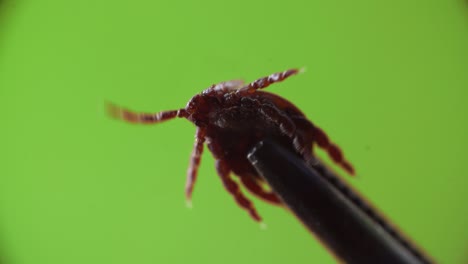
387,80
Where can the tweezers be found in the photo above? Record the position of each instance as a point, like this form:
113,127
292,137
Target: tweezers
348,226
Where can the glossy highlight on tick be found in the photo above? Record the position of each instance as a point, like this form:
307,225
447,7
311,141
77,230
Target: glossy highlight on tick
230,118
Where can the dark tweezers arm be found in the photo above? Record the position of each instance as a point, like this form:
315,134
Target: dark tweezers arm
343,227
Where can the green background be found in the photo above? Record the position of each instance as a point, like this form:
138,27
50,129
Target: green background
387,80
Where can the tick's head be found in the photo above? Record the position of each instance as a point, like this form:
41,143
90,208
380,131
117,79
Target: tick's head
198,109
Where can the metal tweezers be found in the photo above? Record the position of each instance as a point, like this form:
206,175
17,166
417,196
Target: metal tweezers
348,226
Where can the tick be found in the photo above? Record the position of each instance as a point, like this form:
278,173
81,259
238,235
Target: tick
230,118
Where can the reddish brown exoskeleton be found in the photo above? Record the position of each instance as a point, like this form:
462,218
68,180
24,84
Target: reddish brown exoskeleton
231,118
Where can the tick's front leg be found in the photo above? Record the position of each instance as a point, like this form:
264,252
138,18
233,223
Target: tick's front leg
233,188
268,80
194,163
143,118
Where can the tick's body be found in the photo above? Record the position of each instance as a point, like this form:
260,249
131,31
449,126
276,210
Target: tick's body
231,118
233,131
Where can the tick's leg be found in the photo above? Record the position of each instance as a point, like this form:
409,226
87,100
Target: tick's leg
194,163
305,133
255,188
233,188
286,126
143,118
266,81
333,150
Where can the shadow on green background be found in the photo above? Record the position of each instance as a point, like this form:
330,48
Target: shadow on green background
387,81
